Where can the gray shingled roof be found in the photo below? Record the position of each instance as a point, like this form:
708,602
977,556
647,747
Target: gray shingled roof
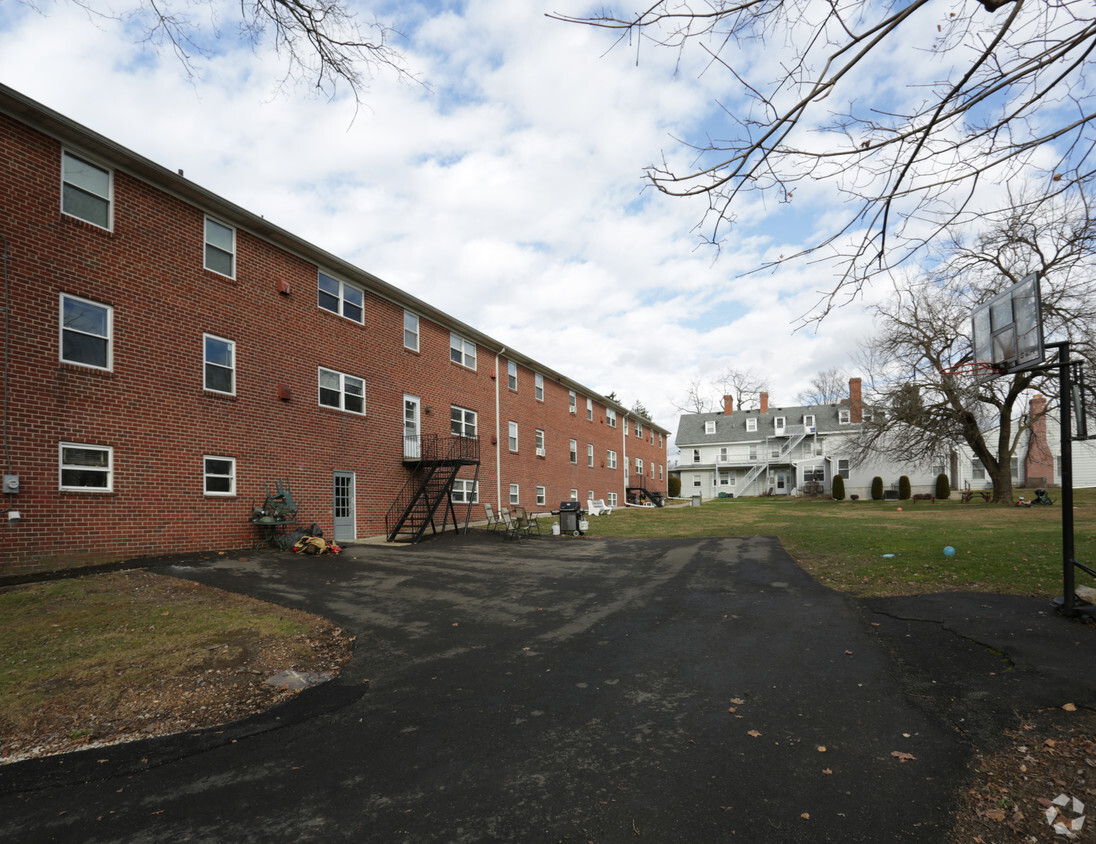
732,428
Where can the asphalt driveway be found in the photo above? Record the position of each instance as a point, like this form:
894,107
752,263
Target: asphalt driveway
564,689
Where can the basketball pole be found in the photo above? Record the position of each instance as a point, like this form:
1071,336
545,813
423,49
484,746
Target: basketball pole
1065,424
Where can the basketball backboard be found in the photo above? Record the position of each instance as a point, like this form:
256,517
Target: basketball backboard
1007,330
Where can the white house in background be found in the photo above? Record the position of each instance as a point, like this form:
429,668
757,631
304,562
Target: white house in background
785,451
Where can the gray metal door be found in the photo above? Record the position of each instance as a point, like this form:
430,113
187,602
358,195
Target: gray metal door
345,523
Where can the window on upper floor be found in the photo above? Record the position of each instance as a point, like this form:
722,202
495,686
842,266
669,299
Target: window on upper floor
843,416
572,401
611,459
539,438
513,439
626,425
86,468
639,466
590,409
462,351
220,364
751,425
610,417
538,387
574,451
341,298
462,421
753,452
219,475
696,455
723,454
410,331
778,424
86,332
639,429
342,391
709,427
590,455
511,375
220,248
808,421
86,190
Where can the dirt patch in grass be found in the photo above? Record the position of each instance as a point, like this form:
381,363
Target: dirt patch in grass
132,654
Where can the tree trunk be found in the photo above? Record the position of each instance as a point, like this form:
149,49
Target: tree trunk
1002,482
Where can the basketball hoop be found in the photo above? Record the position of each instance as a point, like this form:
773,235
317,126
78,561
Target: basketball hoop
982,370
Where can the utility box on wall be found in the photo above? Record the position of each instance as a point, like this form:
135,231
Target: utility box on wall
10,484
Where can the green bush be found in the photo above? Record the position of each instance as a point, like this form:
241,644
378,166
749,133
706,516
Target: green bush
673,486
838,488
943,487
877,488
904,491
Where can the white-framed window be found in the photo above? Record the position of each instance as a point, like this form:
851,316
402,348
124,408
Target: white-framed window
87,330
753,452
538,387
465,491
778,424
513,436
639,466
219,475
511,375
462,351
610,459
342,391
723,454
808,421
220,364
751,424
86,190
590,495
542,496
515,495
574,495
539,442
612,499
1014,466
843,467
843,416
660,472
977,470
572,401
938,466
590,455
696,455
709,427
220,248
410,331
814,473
574,451
462,421
86,468
639,429
590,409
625,424
341,298
660,440
610,417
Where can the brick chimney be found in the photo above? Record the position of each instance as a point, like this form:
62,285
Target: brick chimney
764,402
728,405
856,406
1039,462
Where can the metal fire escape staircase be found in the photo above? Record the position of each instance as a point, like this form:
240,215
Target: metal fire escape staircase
437,461
796,437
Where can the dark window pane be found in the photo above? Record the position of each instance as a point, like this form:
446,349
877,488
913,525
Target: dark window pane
218,484
93,209
84,478
85,317
218,261
80,348
218,378
330,398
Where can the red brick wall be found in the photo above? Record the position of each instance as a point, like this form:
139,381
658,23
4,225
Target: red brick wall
152,409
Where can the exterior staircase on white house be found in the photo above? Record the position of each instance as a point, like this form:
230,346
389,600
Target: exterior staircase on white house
795,436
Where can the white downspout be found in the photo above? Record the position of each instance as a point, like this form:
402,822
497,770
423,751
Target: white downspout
624,453
498,434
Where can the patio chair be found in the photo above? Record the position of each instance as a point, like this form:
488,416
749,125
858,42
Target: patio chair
493,521
598,507
525,521
512,529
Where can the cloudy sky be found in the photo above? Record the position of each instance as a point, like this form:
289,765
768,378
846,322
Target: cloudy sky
507,190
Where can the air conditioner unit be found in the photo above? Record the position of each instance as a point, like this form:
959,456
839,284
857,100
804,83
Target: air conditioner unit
540,452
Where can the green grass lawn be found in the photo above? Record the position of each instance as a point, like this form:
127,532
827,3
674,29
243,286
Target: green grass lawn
846,544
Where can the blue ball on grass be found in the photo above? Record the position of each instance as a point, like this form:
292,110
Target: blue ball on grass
949,551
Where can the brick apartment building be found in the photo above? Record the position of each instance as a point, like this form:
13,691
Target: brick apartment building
169,356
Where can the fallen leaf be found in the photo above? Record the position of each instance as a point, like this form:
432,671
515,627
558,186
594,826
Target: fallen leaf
902,757
737,701
733,709
821,748
827,771
1070,707
806,816
996,814
754,733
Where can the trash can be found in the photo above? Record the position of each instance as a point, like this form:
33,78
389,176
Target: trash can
569,512
697,501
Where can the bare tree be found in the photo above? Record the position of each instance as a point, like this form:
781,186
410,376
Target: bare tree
1004,93
696,400
321,41
743,385
924,330
827,387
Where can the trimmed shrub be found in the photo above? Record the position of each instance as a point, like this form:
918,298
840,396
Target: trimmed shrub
877,488
838,488
943,487
904,491
673,486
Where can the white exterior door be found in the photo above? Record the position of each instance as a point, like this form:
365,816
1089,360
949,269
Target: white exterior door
411,430
345,523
